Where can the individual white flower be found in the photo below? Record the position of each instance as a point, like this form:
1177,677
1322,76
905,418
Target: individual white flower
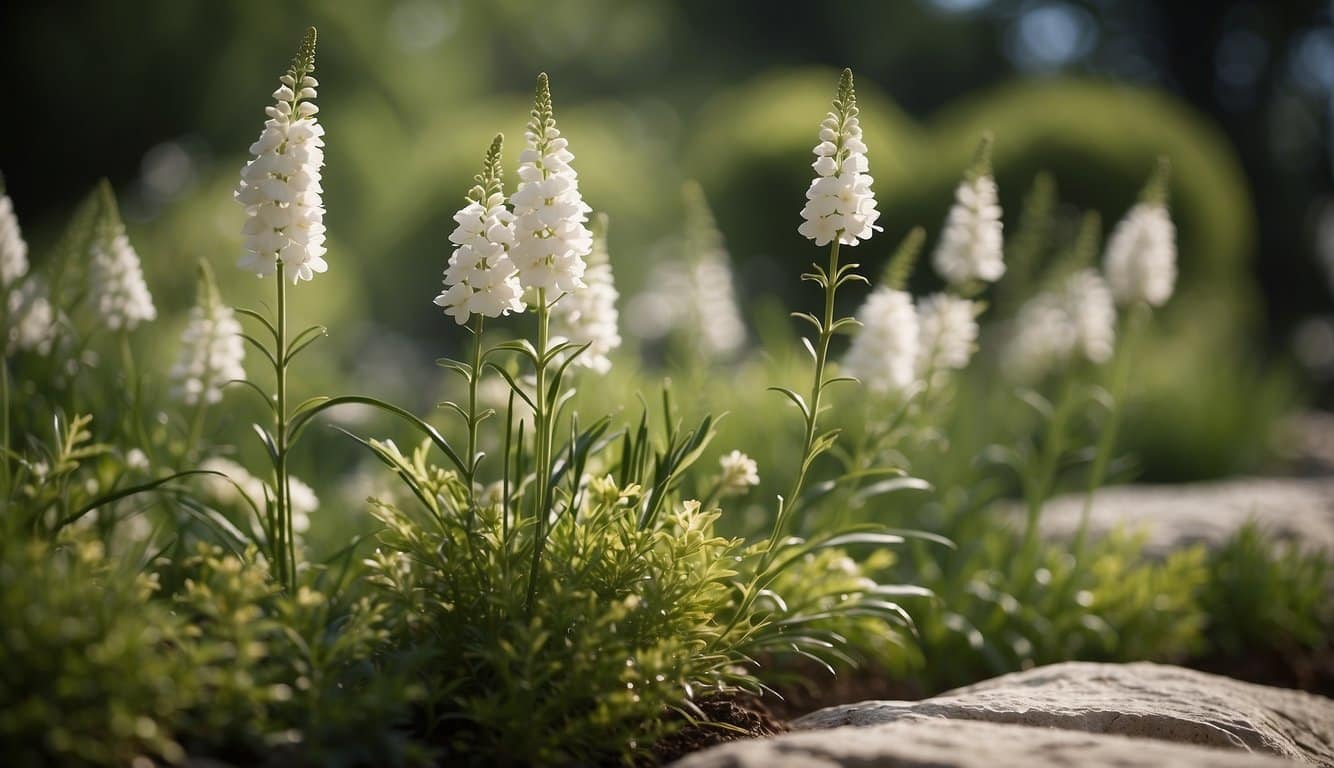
1141,260
32,320
883,354
839,202
118,290
13,250
280,187
947,333
480,278
971,247
551,240
739,473
588,315
1078,318
211,347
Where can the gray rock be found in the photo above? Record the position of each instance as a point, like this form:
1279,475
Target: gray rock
1149,701
934,743
1299,509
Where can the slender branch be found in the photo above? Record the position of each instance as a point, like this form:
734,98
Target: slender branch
830,281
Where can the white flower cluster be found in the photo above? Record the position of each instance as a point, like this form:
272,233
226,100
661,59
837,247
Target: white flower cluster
694,294
211,348
947,327
971,246
551,240
480,278
30,316
588,316
240,488
117,281
839,202
1141,260
13,249
280,187
32,320
739,473
884,353
1076,319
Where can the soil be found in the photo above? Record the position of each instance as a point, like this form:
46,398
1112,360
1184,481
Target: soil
748,715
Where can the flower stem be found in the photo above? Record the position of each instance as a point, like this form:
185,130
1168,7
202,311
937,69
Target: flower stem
830,283
1107,439
286,552
1038,485
474,375
542,444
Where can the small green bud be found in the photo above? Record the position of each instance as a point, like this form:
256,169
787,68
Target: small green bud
1156,189
903,261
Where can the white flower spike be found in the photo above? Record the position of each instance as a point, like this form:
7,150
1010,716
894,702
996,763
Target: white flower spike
32,320
280,187
13,249
839,203
117,288
1141,260
971,247
1078,319
551,240
947,333
588,315
884,353
211,347
480,278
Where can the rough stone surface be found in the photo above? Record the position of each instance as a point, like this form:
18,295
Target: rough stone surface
1148,701
935,743
1296,508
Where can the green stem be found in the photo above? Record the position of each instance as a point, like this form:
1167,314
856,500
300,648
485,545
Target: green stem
542,446
1039,485
1139,316
813,407
473,376
196,428
286,551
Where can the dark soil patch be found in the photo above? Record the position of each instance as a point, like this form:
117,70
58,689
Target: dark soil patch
747,717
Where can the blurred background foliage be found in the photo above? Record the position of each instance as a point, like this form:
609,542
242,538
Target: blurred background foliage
164,97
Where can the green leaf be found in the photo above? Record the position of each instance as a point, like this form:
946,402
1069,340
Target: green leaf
131,491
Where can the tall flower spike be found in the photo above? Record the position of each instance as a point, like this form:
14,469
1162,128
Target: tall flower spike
970,248
883,355
13,250
480,278
588,316
1141,260
280,187
947,333
32,320
715,319
839,202
1077,319
211,347
551,240
117,283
